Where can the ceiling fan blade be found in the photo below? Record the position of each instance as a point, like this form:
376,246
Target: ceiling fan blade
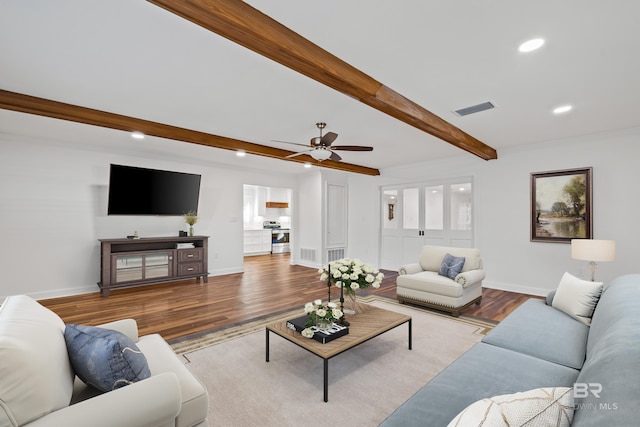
328,138
335,156
296,154
352,148
292,143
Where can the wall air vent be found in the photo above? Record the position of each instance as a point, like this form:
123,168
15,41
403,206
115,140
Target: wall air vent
335,254
308,254
474,109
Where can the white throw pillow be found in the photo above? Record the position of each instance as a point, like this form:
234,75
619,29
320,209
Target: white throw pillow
35,373
552,407
577,297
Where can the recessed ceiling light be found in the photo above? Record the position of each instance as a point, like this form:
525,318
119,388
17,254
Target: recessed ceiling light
137,135
531,45
307,165
562,109
241,153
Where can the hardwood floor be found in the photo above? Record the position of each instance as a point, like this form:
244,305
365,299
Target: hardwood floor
269,284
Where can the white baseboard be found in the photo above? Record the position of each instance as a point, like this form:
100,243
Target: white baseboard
304,263
510,287
66,292
222,272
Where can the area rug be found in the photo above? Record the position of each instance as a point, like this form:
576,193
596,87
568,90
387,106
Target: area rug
366,383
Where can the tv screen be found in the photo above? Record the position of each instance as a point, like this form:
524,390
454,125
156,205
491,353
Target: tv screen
140,191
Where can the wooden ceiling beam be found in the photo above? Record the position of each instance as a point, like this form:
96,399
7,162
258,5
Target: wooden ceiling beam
247,26
74,113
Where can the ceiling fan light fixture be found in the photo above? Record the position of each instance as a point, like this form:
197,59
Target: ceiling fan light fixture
320,154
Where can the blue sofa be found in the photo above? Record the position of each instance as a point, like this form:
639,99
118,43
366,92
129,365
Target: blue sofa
539,346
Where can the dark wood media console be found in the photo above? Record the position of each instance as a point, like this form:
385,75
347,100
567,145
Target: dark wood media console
134,262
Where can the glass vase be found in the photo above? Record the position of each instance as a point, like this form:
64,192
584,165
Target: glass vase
191,231
350,303
323,323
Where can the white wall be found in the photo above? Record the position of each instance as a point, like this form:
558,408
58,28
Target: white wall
502,203
53,199
307,218
53,210
364,219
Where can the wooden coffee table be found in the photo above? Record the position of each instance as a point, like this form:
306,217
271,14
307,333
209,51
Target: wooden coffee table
368,323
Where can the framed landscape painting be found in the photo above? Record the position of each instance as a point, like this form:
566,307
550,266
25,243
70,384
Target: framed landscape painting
561,205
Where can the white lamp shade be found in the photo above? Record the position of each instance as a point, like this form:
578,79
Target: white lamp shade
321,154
593,250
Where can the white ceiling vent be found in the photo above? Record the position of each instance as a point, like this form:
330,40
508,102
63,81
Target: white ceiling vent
474,109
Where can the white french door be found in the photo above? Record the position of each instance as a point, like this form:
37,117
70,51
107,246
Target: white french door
430,213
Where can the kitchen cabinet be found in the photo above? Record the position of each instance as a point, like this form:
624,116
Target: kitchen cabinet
261,201
257,242
278,201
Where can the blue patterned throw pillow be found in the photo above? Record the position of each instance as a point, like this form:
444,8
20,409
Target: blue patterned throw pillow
104,358
451,266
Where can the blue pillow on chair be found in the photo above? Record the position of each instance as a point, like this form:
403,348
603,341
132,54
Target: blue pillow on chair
103,358
451,266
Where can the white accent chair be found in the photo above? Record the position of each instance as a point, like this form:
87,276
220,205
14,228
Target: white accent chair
421,284
39,388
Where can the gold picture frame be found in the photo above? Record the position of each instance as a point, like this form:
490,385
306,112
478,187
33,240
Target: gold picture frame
561,205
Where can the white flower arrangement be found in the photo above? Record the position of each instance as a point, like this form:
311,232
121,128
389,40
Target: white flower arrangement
318,311
352,274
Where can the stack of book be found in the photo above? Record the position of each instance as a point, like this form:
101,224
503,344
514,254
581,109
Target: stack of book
185,246
320,335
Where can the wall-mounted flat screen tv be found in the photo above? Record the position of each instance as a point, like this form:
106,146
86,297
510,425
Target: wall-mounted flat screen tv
140,191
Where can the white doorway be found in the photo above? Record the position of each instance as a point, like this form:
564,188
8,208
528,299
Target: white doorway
428,213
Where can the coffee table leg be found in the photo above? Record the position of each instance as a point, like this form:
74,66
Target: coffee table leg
267,346
326,380
410,334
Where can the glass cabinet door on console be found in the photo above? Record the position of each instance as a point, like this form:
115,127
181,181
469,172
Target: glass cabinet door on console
157,265
127,268
141,266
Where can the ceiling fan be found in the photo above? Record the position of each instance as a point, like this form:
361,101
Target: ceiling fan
320,147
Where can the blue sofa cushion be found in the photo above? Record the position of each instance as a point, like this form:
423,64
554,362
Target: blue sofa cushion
483,371
541,331
550,297
451,266
103,358
608,389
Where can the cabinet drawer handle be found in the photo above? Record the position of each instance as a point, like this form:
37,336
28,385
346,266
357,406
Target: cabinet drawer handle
190,269
189,255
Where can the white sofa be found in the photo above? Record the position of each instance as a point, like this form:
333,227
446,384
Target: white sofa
420,283
39,388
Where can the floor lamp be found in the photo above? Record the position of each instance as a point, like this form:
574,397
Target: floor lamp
593,251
